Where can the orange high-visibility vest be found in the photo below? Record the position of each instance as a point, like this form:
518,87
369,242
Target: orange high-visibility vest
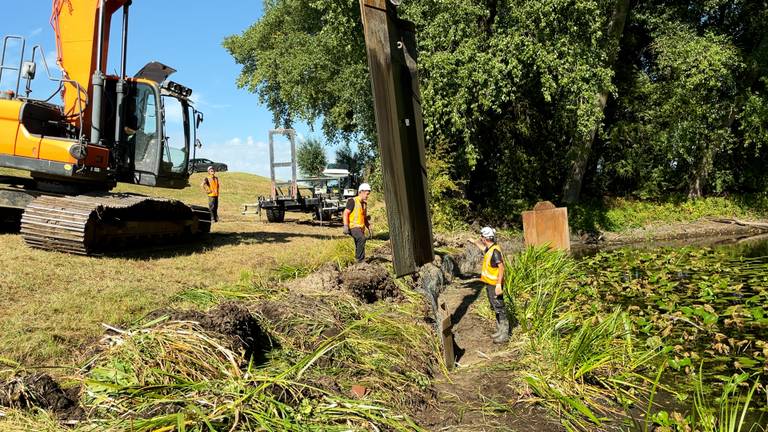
213,186
490,275
359,215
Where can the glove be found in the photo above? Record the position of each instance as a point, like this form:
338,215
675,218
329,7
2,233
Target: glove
499,291
346,229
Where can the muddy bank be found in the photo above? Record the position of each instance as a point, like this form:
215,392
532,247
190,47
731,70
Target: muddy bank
702,232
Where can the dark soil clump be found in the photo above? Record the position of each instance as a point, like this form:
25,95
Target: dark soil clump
370,283
233,321
39,390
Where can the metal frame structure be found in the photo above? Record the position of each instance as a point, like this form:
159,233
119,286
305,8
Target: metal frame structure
276,187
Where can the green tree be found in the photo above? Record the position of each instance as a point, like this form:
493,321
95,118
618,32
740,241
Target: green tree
537,99
310,157
306,60
353,161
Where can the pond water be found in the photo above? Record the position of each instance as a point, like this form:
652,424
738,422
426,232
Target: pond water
709,304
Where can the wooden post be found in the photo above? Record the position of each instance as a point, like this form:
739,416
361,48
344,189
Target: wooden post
546,224
391,46
446,336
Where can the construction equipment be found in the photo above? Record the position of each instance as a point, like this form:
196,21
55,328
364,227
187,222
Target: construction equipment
323,196
110,129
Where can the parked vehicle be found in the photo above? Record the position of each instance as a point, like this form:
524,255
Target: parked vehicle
202,164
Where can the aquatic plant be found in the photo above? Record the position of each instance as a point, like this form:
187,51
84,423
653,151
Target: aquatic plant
580,365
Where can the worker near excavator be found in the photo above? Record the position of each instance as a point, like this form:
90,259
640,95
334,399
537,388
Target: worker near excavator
212,185
356,220
492,277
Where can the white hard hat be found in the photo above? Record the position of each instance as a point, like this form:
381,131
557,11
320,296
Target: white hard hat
364,187
488,232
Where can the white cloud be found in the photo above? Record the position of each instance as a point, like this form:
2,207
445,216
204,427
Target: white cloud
201,101
35,32
242,154
246,154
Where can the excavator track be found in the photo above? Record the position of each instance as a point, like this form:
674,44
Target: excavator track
94,224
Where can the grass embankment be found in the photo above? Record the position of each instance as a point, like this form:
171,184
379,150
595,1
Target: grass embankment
55,303
174,376
620,214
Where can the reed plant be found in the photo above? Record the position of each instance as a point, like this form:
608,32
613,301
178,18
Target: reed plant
534,285
729,412
580,365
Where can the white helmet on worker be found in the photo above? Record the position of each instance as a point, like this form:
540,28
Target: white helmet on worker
364,187
488,232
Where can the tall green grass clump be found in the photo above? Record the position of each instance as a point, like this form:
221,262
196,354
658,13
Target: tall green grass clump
728,411
534,285
582,366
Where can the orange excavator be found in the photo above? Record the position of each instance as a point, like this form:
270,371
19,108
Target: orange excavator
109,129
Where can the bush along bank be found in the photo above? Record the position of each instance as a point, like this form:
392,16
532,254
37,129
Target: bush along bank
604,339
357,356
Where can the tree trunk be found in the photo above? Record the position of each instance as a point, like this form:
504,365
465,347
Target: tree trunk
580,151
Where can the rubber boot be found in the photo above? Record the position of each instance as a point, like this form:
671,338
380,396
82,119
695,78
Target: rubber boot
503,337
496,333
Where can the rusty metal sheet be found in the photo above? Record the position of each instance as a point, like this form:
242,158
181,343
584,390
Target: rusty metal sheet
391,47
548,226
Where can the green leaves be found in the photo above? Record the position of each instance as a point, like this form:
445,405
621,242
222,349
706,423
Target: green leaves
675,104
310,157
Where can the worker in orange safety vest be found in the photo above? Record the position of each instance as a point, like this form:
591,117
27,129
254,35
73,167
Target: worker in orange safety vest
212,186
356,220
493,277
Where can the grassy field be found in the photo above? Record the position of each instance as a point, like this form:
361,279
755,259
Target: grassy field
54,304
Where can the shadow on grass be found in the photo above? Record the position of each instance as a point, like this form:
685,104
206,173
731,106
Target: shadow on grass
207,242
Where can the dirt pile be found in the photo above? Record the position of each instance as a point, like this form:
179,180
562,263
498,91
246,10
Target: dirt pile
325,279
39,390
231,320
369,283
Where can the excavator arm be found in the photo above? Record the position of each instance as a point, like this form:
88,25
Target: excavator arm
82,43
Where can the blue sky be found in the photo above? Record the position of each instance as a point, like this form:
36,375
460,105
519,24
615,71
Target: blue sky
187,36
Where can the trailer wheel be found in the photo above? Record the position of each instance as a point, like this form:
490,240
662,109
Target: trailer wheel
275,214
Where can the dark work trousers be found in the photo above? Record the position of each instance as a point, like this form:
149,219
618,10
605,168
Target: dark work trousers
213,206
497,302
359,235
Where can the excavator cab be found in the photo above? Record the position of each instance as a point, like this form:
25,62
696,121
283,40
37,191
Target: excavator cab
160,129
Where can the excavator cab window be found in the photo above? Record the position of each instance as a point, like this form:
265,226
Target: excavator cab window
177,137
141,128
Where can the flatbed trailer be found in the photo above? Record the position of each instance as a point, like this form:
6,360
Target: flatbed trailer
324,197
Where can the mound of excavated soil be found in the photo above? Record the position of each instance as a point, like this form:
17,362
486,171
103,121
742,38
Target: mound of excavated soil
369,283
232,321
41,391
325,279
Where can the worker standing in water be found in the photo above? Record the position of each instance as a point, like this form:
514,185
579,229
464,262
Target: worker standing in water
493,277
212,185
356,219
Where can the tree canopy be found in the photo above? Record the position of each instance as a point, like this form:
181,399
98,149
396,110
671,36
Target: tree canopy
540,99
310,158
